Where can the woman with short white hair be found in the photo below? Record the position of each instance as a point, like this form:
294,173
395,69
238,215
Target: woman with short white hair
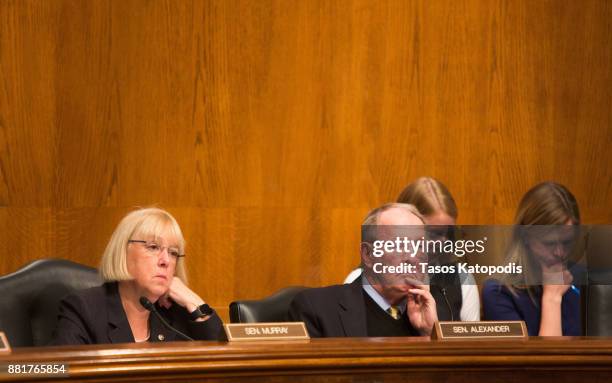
144,272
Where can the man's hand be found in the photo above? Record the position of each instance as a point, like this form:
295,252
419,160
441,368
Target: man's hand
421,308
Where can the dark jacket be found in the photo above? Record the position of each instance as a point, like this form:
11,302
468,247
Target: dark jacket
446,291
96,316
333,311
501,304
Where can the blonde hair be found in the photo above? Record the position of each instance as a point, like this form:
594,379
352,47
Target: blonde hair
429,196
143,223
547,203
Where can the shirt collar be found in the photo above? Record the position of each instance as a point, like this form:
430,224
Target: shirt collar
379,299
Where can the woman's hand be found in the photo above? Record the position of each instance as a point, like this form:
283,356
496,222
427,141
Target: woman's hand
555,282
183,296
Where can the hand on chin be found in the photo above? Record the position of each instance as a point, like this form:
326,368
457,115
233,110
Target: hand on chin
157,290
165,301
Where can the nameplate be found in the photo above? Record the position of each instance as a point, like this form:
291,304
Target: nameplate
4,344
266,331
480,330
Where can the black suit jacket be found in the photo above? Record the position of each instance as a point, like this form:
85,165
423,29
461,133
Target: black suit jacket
96,315
333,311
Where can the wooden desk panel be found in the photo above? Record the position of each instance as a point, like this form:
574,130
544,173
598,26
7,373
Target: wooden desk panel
336,360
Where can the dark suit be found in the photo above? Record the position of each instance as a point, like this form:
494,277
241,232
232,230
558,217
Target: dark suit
334,311
96,316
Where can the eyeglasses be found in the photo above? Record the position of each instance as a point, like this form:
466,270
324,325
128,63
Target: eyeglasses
440,232
156,249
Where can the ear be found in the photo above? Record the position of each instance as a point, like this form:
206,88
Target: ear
366,255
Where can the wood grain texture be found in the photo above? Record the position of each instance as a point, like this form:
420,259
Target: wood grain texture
269,128
336,360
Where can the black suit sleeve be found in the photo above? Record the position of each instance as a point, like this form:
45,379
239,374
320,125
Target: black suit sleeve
210,329
71,328
301,311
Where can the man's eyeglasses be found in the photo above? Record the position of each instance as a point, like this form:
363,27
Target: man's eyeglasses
156,249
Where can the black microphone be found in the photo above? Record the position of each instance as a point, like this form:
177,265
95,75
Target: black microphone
450,308
146,303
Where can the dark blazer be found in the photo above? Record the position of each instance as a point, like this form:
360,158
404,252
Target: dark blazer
500,303
96,315
333,311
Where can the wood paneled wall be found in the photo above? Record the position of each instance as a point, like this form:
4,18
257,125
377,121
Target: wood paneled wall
269,128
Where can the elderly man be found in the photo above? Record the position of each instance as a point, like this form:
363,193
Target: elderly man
379,303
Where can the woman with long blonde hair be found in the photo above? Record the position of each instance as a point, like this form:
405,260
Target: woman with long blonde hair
543,295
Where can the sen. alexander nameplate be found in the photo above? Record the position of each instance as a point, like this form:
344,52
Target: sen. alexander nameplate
480,330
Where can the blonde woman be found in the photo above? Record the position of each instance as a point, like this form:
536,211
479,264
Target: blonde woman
143,261
456,294
543,295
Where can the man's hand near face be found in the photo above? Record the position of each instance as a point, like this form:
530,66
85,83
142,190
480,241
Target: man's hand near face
421,309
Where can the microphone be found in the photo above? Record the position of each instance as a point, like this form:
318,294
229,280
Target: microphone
450,308
146,303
